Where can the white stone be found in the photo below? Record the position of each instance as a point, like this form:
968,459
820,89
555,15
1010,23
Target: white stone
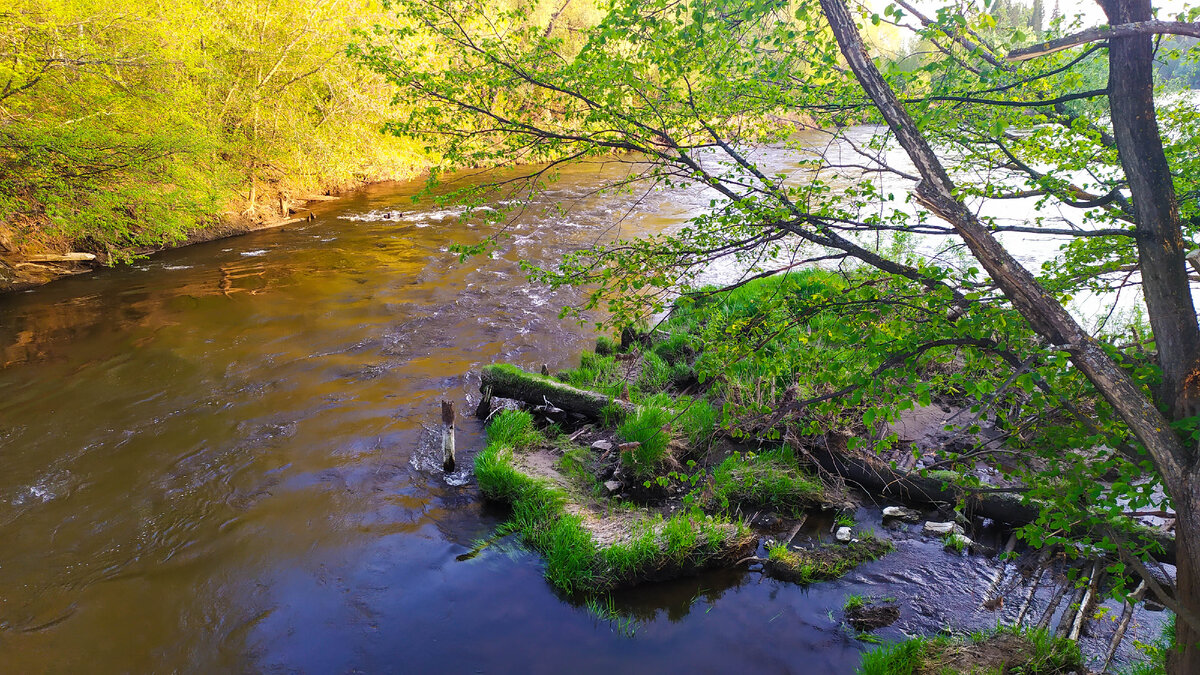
602,445
844,534
911,515
612,486
940,529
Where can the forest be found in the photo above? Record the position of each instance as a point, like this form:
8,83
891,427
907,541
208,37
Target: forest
977,218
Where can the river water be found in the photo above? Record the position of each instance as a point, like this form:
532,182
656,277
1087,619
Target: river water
220,460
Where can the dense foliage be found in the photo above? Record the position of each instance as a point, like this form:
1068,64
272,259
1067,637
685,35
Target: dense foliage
124,126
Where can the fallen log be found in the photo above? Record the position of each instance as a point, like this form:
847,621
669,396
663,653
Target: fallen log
507,381
940,487
62,257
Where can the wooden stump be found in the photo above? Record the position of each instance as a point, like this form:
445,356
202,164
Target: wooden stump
447,436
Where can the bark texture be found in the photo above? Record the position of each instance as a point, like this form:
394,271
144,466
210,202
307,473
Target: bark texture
1159,238
1047,317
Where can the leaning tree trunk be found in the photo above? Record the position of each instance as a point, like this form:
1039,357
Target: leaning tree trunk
1159,239
1047,317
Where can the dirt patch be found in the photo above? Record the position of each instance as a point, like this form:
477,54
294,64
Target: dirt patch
1001,652
608,526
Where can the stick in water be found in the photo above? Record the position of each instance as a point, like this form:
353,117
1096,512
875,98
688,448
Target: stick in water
447,436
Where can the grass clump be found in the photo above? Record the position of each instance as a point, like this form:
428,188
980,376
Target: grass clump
551,520
606,346
596,371
824,563
513,429
677,348
1005,650
768,480
697,421
650,427
655,375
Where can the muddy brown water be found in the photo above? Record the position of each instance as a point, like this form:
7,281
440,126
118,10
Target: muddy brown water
219,460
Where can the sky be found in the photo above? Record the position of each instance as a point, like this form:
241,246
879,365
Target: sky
1093,15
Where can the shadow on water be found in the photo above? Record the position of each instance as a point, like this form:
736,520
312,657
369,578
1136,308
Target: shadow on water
218,460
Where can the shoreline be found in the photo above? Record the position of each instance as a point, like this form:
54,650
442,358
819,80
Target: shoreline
21,273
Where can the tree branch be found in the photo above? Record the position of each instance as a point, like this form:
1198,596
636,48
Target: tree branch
1104,33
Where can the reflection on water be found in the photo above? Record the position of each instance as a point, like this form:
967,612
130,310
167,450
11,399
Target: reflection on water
218,460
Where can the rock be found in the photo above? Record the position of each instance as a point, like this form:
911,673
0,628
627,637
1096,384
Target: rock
939,529
902,513
871,617
766,520
844,534
602,445
958,542
612,486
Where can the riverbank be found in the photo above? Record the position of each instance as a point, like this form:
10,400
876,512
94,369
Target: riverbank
25,267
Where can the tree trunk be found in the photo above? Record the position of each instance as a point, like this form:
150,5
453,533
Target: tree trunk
1047,317
1159,240
1186,660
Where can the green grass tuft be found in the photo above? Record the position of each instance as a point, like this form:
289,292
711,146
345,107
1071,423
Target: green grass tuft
767,480
513,429
698,421
649,427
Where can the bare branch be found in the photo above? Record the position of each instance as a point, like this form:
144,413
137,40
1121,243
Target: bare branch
1104,33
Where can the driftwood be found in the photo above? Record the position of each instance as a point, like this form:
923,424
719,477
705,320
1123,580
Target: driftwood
62,257
1123,625
511,382
1044,622
1038,572
1081,615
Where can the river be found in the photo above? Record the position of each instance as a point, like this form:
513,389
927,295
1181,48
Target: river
219,460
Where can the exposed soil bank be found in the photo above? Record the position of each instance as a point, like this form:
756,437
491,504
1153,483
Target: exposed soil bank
21,271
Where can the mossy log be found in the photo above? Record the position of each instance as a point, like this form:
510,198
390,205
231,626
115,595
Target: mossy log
508,381
939,487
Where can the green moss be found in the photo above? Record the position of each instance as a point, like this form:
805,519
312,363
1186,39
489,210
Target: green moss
823,563
768,480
